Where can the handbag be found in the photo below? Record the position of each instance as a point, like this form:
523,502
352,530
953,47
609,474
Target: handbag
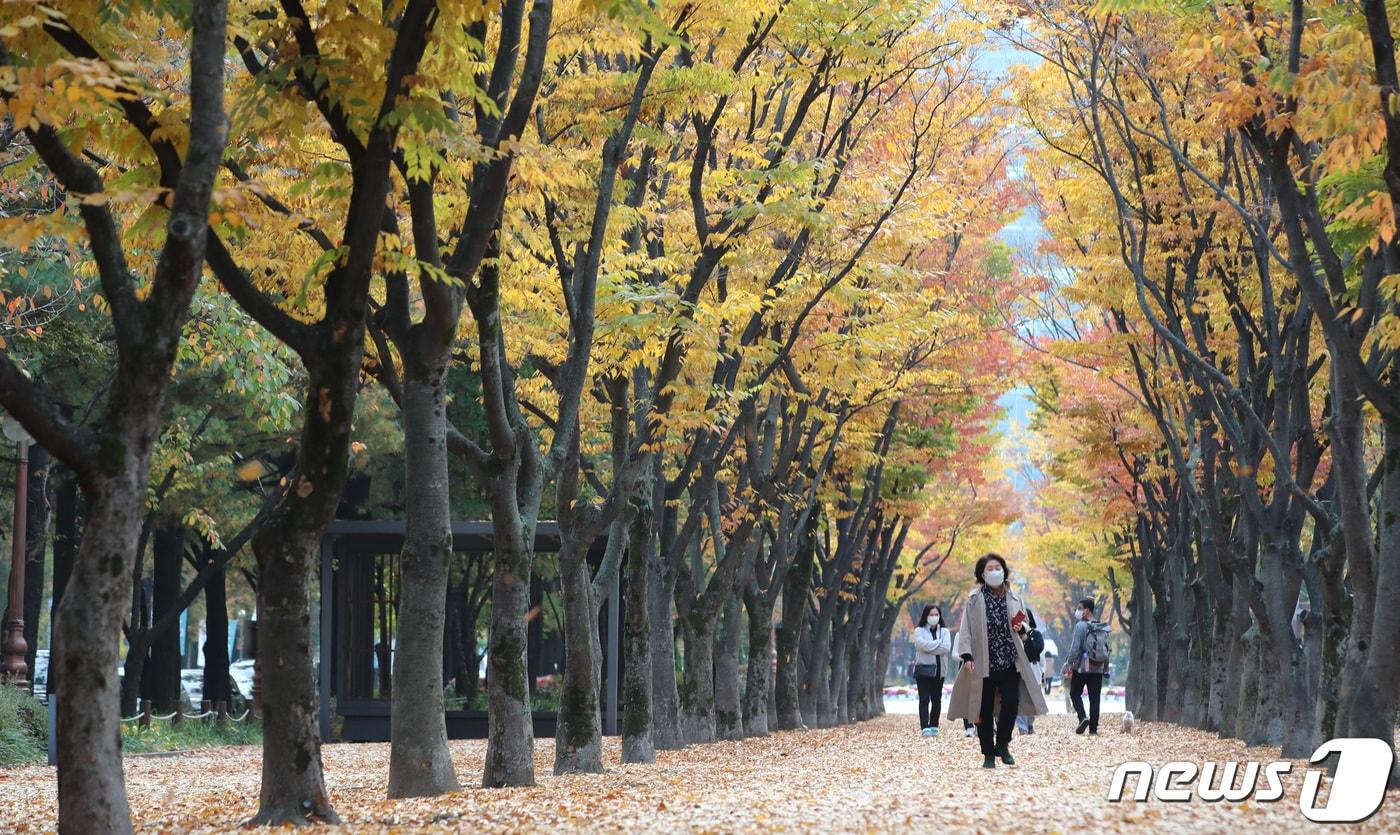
925,671
1035,645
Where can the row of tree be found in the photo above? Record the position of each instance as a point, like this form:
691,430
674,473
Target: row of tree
713,281
1217,310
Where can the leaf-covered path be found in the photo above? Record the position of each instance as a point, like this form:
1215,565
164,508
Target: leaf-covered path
878,776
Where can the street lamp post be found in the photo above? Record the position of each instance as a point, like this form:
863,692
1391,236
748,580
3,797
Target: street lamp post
14,668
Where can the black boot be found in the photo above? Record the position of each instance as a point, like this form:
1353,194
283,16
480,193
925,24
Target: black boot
989,761
1004,751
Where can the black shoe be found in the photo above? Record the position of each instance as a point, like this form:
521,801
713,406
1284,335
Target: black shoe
1093,732
989,762
1083,724
1006,757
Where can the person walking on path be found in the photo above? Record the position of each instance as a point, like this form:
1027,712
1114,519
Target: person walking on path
969,729
1085,665
931,647
1035,646
995,681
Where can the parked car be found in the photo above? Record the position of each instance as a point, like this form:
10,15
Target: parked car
192,682
41,675
241,672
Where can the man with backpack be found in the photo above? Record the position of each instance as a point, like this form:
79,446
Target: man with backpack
1085,664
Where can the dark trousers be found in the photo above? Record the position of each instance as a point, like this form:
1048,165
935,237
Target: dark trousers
1094,683
930,700
1008,684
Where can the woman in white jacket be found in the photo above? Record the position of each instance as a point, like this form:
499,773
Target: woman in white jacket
931,646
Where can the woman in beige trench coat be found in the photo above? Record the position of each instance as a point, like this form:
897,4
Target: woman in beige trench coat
996,680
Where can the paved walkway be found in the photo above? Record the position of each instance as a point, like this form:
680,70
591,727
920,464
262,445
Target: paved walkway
879,776
909,706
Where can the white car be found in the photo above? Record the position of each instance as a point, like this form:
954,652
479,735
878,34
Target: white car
192,682
242,673
41,675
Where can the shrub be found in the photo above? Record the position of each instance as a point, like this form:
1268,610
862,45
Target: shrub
24,727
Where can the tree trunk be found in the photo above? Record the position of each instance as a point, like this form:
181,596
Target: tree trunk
665,697
758,684
789,636
1271,706
293,787
1285,715
578,742
216,676
510,754
1335,620
288,547
467,602
729,718
836,707
1163,675
862,663
91,793
386,594
1144,639
1299,708
638,745
1249,686
857,693
865,648
162,668
1312,625
772,701
1347,434
1374,705
35,550
113,455
66,537
133,672
420,764
1218,711
877,682
1178,630
1196,713
821,713
1230,723
697,690
454,650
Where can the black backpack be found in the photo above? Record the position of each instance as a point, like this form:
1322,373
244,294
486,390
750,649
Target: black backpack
1035,642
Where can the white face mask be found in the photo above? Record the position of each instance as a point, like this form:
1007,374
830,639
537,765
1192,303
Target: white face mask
932,621
994,576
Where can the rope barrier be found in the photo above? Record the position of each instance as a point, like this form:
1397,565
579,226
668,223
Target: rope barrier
169,716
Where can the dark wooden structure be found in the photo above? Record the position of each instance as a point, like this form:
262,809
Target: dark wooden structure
358,564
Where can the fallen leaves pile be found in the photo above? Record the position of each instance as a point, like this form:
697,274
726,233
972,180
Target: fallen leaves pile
876,776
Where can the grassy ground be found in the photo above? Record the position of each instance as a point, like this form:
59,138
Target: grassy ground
24,727
162,736
24,732
878,776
